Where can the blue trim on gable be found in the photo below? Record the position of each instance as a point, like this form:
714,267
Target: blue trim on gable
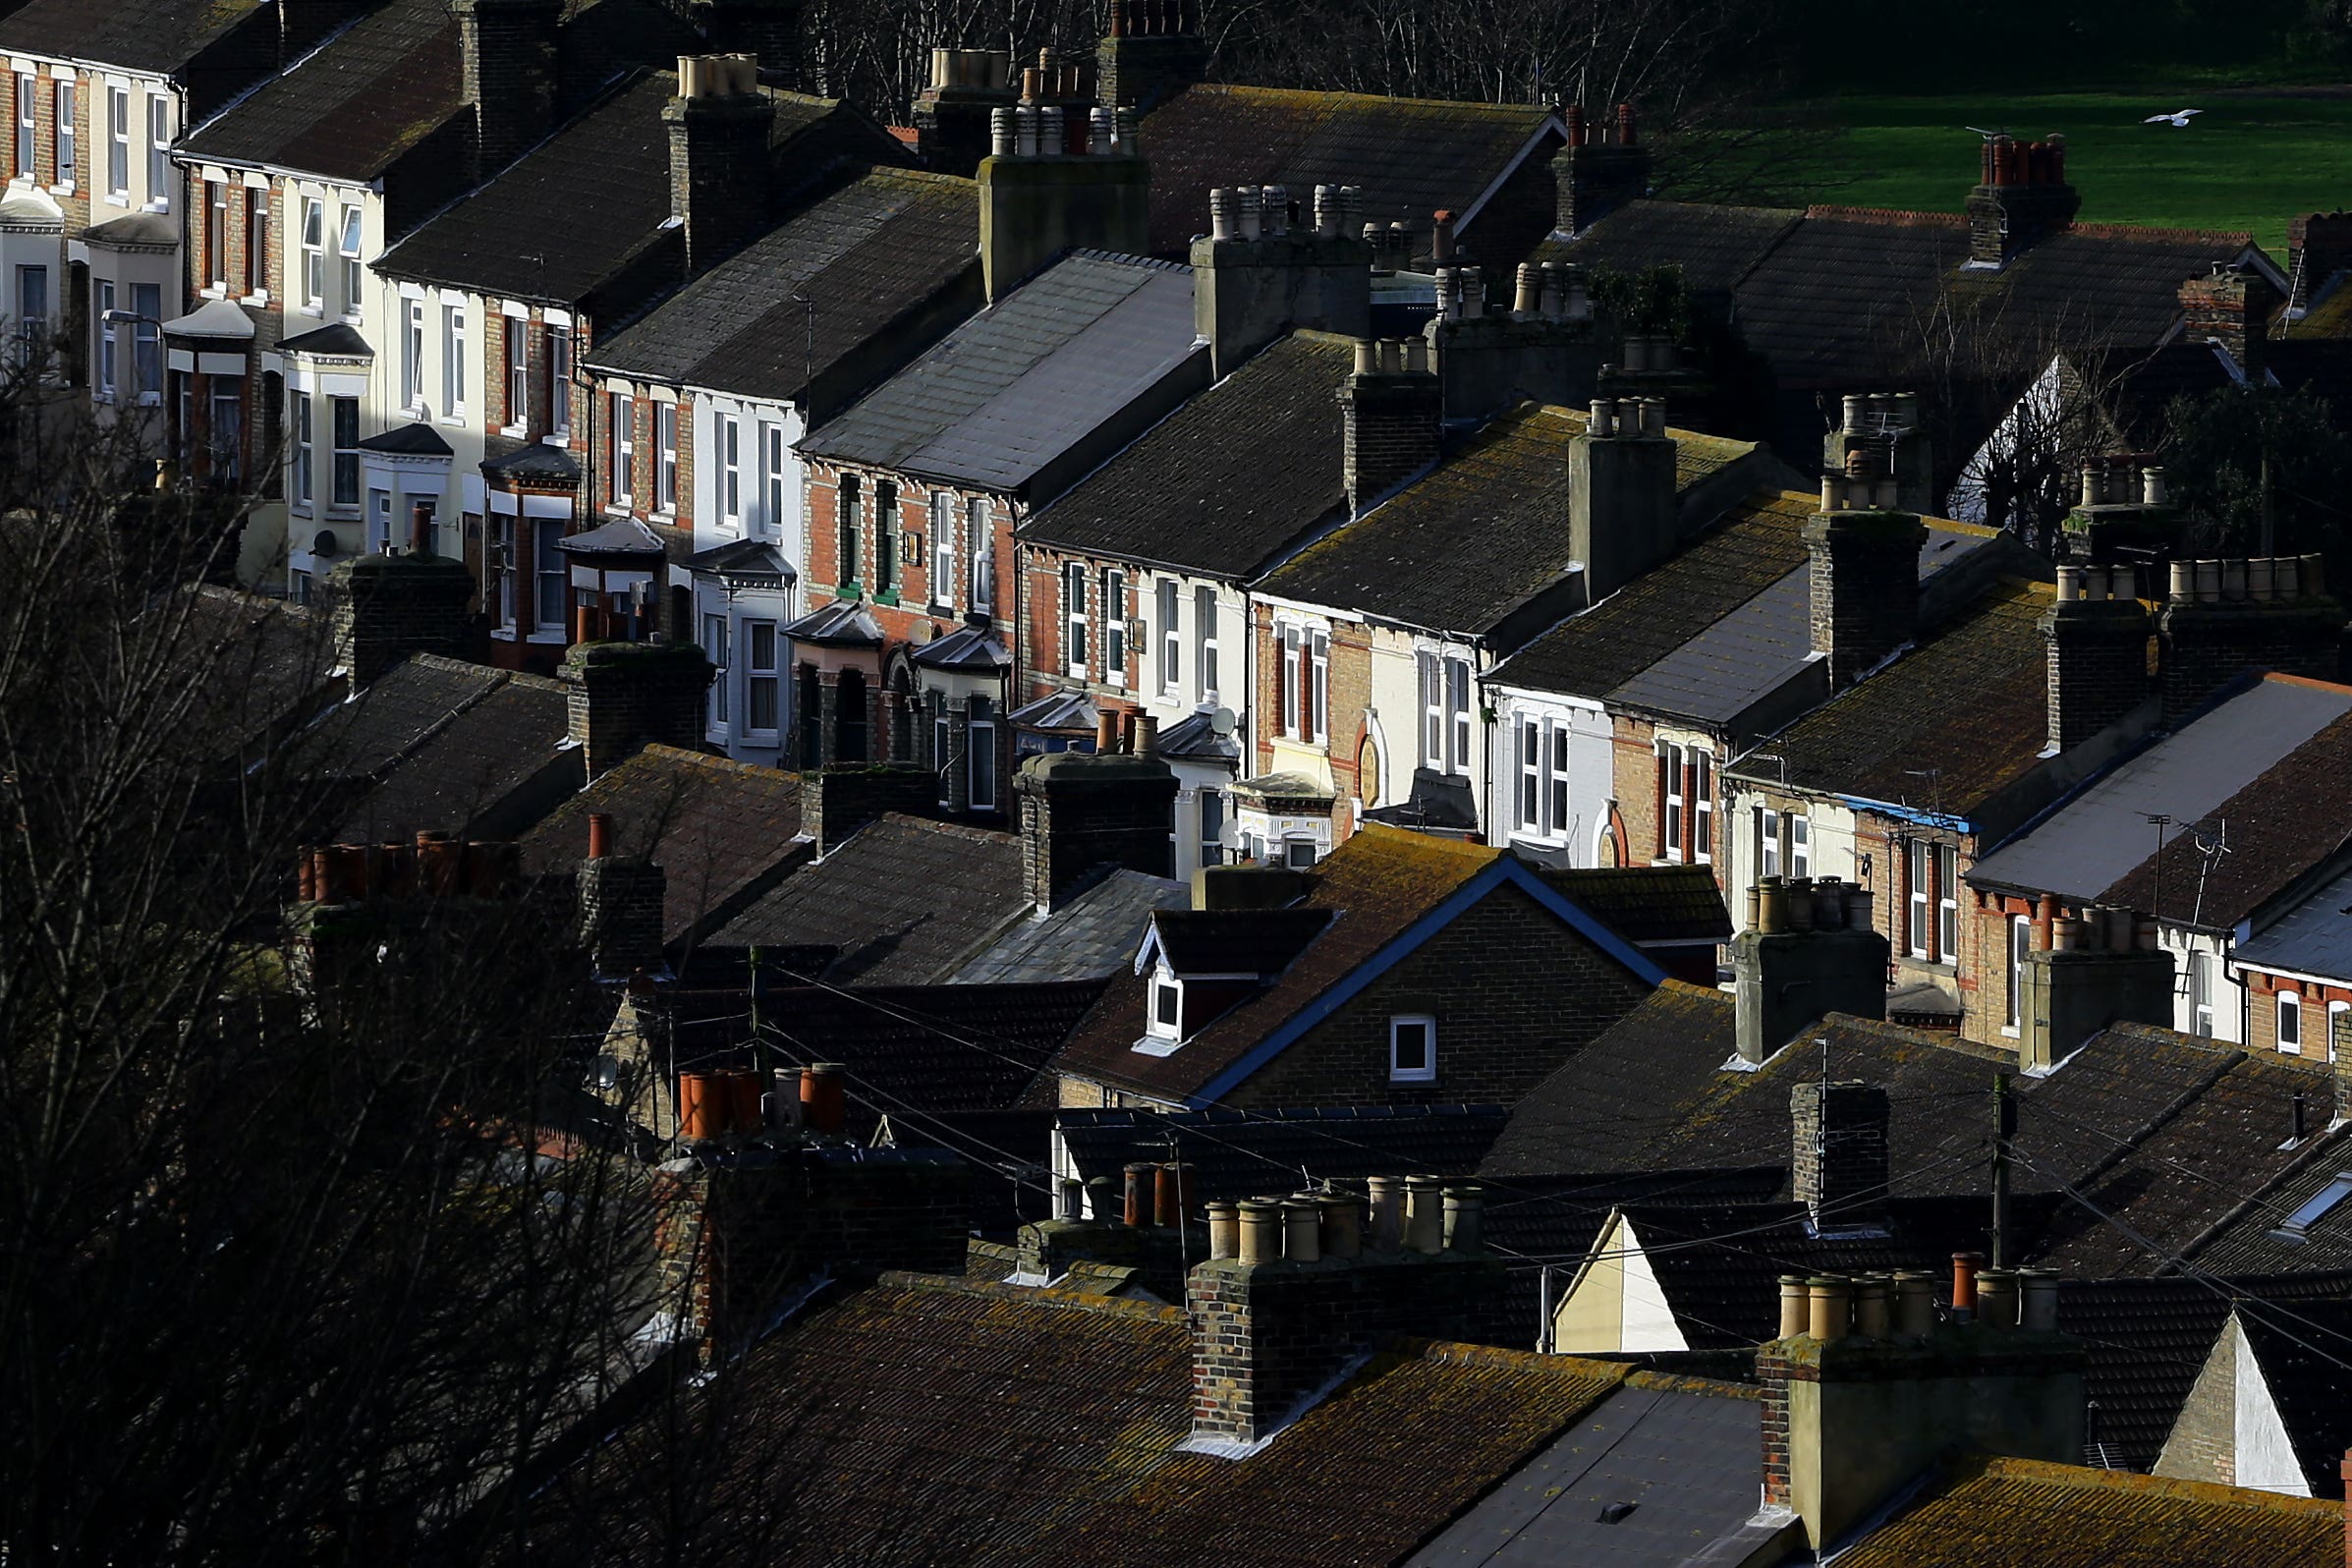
1403,945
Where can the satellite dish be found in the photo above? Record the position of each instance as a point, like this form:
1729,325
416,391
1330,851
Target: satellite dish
1222,722
324,544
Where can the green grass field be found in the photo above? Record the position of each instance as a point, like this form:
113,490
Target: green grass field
2251,161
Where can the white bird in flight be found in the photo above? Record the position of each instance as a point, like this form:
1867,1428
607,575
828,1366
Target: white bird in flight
2178,119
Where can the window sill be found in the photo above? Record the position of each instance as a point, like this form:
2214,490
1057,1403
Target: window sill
118,200
213,291
65,189
311,310
886,596
259,300
455,422
549,634
519,432
556,438
503,634
1423,1080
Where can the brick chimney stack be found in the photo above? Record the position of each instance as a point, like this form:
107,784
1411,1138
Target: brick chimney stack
1083,810
1390,409
507,60
953,115
2023,194
1256,274
1601,168
1155,48
621,897
2100,968
620,695
1062,172
1864,572
1886,428
2224,617
1839,1147
2319,246
2232,305
1809,950
1543,347
2097,640
718,128
387,607
1622,518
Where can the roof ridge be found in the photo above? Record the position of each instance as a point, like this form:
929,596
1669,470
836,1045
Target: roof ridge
1326,94
1151,263
985,835
1905,217
2148,1486
1047,1296
2135,231
1461,1353
716,765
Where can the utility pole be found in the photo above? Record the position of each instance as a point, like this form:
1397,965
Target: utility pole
2004,1123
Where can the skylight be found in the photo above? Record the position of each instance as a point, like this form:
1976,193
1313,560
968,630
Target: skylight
2316,1206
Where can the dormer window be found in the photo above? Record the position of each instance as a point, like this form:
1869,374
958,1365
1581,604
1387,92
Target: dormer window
1166,1020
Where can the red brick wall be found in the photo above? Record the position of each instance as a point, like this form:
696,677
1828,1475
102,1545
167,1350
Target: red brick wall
2261,1013
912,516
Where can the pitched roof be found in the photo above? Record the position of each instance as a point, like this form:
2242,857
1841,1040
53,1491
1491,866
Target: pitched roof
1649,902
1966,709
1478,537
1236,1154
1410,156
720,830
354,105
2312,937
1029,379
1714,245
1241,473
2101,834
2300,1350
438,744
273,660
1091,935
162,37
906,900
2060,1516
866,254
498,239
2299,1223
1234,941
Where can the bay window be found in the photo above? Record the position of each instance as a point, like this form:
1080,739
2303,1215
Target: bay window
714,648
980,746
762,678
551,596
304,451
346,451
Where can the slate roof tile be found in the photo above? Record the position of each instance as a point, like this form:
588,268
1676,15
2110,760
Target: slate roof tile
1092,936
163,36
906,901
1241,473
1649,902
2010,1513
719,829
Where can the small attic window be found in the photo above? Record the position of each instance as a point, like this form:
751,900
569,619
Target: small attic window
1413,1048
1166,1020
2315,1207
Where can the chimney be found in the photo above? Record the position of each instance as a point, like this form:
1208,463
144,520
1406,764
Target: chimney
2023,194
2126,514
1256,274
1153,49
1865,575
1600,169
1057,178
1083,810
1543,348
953,115
1390,411
836,802
1309,1285
2232,305
1875,1392
1259,886
621,899
718,127
1840,1155
1886,428
2095,639
768,31
1621,510
387,607
2098,969
507,60
2224,617
2319,246
620,695
1809,950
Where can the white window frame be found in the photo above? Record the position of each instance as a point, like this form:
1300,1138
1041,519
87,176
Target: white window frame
1767,841
1114,626
216,234
887,540
65,102
350,236
559,380
944,556
106,374
32,306
2288,1032
2334,1009
146,345
1673,827
980,755
1427,1071
1428,678
1212,816
2020,939
1167,995
413,353
763,676
502,565
515,335
1798,828
1319,684
118,144
979,542
312,241
773,470
714,648
665,460
1171,636
1527,798
547,566
1288,703
257,217
305,452
848,526
1075,649
1204,644
27,163
344,463
1947,904
1918,929
1458,709
2201,992
453,357
160,151
620,412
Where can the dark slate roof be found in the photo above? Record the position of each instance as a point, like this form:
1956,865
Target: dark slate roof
1689,1457
1237,1153
1714,245
2060,1516
745,558
414,439
1410,156
967,648
535,459
1196,735
925,1420
2147,1340
1966,709
154,36
1435,802
1234,941
274,660
907,900
1026,380
837,622
354,106
2258,1239
2314,937
437,744
1240,473
339,339
720,830
1649,902
2101,834
620,535
1478,537
521,233
866,254
1072,712
1091,935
